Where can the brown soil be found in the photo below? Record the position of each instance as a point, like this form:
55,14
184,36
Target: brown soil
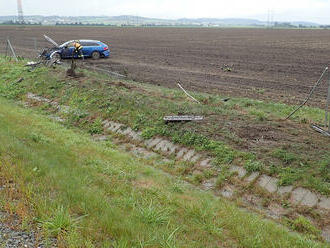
284,63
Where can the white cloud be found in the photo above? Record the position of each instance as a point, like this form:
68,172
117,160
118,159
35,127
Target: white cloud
308,10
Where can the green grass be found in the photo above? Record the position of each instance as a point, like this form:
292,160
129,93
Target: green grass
253,166
222,135
88,194
303,225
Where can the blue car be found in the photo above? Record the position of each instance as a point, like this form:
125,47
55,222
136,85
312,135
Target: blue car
91,49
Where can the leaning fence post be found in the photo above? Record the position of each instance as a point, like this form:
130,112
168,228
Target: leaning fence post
12,49
327,115
6,48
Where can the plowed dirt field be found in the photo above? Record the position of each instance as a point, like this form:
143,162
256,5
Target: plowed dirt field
279,65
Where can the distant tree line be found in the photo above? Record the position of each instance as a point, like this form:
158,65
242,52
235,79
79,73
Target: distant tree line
284,25
81,24
11,22
290,25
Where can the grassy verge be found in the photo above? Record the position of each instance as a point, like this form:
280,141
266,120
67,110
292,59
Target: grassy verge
240,131
87,194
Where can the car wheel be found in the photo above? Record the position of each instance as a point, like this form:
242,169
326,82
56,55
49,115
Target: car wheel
96,55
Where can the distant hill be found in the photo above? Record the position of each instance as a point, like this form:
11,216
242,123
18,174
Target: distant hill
228,21
311,24
138,20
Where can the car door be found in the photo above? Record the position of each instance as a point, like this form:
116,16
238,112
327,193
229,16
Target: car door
86,48
68,50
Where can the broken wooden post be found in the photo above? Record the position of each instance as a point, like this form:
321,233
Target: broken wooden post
72,71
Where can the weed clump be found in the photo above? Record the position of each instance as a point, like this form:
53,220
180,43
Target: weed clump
261,116
288,176
198,178
223,177
253,166
286,157
177,188
60,222
152,215
303,225
38,138
96,127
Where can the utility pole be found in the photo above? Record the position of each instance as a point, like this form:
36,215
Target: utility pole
20,12
272,18
268,19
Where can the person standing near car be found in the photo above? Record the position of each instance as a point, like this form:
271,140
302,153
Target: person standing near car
77,49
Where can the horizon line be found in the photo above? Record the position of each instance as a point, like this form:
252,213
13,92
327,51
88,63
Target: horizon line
172,19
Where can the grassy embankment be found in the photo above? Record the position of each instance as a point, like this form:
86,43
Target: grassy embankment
246,132
89,194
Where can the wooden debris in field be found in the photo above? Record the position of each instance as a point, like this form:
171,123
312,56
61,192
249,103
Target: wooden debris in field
183,118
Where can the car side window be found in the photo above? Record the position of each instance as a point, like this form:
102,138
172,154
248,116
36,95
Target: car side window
70,44
92,44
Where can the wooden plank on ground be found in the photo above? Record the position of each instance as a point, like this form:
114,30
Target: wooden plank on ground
183,118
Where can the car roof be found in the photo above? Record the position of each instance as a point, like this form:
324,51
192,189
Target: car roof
96,41
85,41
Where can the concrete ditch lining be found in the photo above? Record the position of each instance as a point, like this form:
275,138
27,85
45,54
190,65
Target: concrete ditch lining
300,196
297,196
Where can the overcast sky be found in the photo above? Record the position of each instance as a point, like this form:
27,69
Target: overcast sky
284,10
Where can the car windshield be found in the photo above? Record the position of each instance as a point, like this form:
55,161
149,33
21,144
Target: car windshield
67,44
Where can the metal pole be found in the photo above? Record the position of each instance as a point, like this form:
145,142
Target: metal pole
310,94
35,44
327,116
188,93
7,47
327,106
12,49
